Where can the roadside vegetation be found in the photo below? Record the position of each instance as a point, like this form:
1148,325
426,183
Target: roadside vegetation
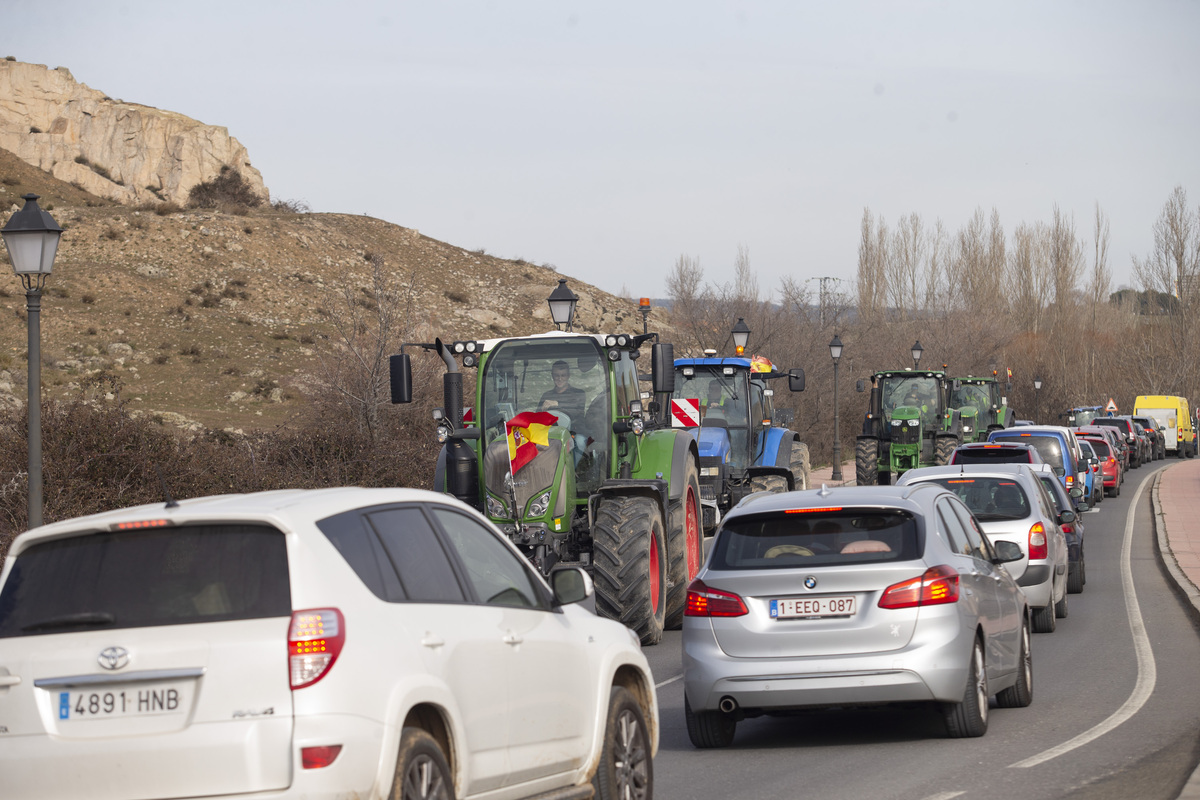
1036,298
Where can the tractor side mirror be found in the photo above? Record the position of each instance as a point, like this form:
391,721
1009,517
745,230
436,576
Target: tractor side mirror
400,375
796,380
662,367
860,386
1008,388
957,384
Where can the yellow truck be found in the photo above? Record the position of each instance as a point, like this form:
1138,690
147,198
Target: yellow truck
1173,413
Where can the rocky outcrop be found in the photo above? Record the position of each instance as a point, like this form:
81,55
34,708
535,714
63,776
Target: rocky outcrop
126,152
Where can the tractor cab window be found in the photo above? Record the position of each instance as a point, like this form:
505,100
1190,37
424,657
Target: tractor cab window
920,392
564,377
971,394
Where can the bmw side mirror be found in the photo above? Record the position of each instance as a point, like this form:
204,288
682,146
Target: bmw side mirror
1006,552
571,586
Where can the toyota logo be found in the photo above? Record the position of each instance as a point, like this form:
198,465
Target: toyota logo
113,657
810,582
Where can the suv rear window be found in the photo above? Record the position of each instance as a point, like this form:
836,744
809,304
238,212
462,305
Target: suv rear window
812,539
991,455
169,576
1049,448
1101,448
990,499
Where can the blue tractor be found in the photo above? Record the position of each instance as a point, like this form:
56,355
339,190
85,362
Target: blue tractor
744,442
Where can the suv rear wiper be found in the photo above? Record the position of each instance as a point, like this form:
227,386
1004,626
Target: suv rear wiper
71,620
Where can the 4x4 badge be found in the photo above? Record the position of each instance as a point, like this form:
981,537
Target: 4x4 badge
113,657
810,582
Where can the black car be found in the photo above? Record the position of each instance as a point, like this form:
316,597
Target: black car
995,453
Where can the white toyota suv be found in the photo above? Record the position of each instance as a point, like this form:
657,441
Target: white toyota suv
363,643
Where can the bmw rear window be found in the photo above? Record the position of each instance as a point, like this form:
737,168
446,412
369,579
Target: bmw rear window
135,579
991,455
815,538
990,499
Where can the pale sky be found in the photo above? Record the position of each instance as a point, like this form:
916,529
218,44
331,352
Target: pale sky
608,138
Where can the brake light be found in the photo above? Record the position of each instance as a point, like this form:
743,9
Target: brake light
812,510
1037,541
937,586
1070,480
315,639
319,757
704,601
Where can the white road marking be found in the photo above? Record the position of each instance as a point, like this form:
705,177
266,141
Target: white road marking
668,681
943,795
1147,671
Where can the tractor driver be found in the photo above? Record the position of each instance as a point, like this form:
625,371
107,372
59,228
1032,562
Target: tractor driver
563,398
915,397
712,403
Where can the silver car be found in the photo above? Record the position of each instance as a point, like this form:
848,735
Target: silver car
853,596
1011,505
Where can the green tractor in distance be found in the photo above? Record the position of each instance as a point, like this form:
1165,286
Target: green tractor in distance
909,423
560,454
981,405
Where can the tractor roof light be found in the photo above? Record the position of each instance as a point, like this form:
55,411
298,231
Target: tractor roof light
741,336
562,304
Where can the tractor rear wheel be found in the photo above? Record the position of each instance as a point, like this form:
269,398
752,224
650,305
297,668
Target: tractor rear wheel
684,545
866,462
943,449
629,564
800,465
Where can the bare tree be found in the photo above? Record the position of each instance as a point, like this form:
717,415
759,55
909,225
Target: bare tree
872,279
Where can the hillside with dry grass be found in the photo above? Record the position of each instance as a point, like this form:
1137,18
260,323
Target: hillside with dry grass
223,320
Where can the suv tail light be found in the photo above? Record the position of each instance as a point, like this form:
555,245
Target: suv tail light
937,586
1037,541
315,639
704,601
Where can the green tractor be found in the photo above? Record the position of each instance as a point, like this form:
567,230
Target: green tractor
909,424
981,405
560,454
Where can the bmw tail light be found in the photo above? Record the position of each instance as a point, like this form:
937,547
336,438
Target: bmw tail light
1037,541
704,601
937,586
315,639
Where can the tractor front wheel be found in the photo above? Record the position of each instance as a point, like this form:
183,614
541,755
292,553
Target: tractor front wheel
866,462
629,565
944,448
684,545
800,465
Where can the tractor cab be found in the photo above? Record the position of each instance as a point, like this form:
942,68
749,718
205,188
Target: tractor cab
1083,415
909,423
982,406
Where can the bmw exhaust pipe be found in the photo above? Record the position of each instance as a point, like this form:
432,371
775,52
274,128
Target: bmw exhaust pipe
727,705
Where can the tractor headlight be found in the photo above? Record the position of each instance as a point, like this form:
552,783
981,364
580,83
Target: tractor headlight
637,425
443,433
966,428
539,505
912,423
496,507
710,472
896,423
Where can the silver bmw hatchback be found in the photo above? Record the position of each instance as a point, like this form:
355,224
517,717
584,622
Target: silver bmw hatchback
853,596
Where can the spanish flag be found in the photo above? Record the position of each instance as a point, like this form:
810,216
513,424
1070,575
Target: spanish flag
761,364
525,432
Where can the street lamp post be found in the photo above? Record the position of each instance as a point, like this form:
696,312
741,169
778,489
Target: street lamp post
741,336
917,350
31,237
1037,406
835,350
562,304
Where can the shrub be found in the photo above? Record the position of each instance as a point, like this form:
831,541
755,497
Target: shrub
291,206
228,189
163,209
88,299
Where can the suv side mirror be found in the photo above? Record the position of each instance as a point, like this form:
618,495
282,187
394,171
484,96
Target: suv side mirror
1066,517
572,586
796,380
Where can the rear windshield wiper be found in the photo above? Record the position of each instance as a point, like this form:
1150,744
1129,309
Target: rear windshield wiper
71,620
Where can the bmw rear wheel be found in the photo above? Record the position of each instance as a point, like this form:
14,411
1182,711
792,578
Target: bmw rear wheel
970,717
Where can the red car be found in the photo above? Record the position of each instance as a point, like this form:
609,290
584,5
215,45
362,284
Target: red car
1115,440
1110,464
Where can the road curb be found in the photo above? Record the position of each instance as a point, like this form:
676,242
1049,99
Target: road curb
1191,789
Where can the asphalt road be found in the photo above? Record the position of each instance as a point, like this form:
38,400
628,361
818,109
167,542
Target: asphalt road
1114,715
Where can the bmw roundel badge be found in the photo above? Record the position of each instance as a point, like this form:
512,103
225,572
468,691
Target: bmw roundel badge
810,582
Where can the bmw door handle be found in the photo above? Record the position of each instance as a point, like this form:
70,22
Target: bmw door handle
512,638
432,642
9,680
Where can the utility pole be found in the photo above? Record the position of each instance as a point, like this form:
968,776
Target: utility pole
827,285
